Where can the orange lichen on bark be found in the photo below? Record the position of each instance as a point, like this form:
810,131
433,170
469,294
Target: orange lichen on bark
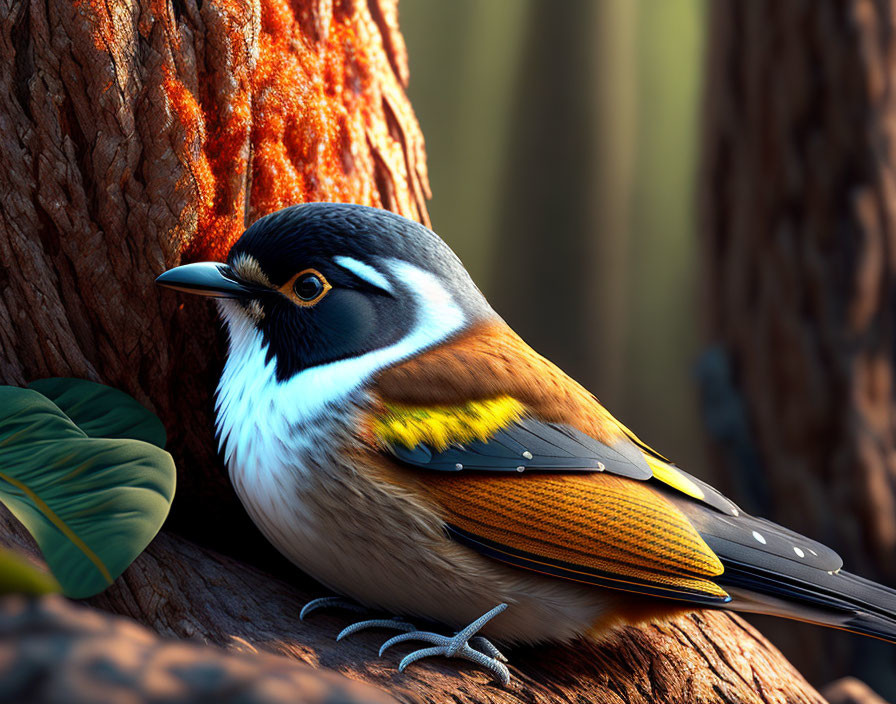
184,105
312,110
100,18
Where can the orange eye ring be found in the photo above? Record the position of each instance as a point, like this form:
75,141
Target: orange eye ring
289,289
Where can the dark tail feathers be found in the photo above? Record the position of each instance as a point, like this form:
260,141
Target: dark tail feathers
836,599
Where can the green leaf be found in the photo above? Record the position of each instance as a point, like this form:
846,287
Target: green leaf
92,503
101,411
18,576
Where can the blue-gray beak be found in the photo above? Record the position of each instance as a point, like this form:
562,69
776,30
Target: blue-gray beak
207,279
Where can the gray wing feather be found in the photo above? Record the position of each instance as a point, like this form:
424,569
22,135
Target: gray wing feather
532,444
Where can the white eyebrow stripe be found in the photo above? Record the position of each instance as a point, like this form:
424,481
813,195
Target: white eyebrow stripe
364,271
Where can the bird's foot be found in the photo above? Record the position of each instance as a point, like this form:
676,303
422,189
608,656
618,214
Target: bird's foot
465,644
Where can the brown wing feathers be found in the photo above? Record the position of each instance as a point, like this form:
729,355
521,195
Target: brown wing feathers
596,527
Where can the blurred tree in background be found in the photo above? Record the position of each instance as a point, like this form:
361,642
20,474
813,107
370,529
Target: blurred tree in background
564,142
562,150
799,239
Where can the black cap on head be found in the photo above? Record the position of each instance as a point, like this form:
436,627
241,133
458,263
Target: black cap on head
371,299
304,235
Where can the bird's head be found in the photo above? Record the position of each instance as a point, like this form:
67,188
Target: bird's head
322,283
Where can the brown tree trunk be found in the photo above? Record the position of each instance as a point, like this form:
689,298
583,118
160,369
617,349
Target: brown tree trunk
799,237
137,135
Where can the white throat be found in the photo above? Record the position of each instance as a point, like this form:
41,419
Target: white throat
258,416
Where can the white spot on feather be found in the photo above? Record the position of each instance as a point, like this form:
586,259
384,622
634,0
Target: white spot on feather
759,537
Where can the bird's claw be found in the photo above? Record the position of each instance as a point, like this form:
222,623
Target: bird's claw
484,645
395,623
330,602
457,646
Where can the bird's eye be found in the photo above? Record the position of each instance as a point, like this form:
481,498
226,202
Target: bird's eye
308,287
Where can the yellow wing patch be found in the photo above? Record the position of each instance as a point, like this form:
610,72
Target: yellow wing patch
668,474
439,426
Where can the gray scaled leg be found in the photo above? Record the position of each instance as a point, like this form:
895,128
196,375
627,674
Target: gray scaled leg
464,644
480,643
458,646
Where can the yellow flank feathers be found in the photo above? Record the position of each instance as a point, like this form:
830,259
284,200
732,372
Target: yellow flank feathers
439,426
668,474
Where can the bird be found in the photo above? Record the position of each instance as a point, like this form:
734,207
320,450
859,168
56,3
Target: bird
394,438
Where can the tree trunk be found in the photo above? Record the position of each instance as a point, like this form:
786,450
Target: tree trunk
138,135
799,237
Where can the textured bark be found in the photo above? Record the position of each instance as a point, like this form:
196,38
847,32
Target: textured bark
137,135
52,652
799,237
